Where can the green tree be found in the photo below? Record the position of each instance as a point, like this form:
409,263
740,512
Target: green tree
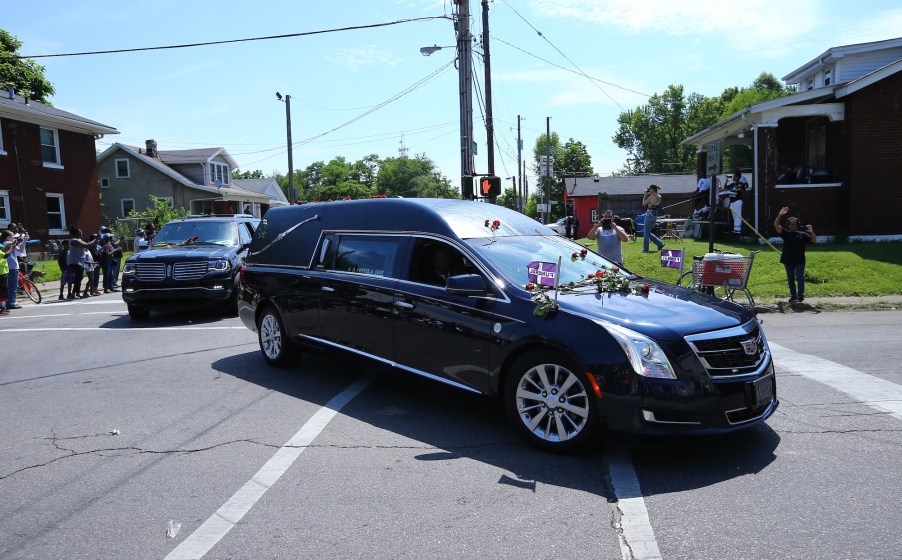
508,198
765,87
159,213
255,174
415,177
25,75
571,159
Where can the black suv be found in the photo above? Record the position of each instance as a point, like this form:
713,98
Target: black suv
191,261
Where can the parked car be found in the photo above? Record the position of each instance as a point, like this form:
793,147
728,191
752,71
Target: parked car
190,262
449,290
559,227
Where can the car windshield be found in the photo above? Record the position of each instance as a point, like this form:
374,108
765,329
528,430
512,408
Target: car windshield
512,257
195,232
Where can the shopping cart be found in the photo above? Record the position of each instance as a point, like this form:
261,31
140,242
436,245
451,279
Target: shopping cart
722,274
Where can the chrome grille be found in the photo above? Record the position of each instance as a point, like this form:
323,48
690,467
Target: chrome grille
189,270
724,353
150,271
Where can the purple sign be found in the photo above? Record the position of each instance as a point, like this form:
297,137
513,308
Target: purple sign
672,258
542,273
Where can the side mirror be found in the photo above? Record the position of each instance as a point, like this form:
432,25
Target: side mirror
466,285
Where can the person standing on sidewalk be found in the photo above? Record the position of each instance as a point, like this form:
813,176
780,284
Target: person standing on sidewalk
651,201
10,246
6,249
67,279
793,256
76,259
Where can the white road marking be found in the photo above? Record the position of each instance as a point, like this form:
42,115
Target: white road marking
36,316
869,389
636,536
114,329
217,525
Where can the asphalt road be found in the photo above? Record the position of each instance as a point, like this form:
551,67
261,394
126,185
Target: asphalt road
113,429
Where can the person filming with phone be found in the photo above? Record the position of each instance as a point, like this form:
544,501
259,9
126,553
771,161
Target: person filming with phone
608,236
793,257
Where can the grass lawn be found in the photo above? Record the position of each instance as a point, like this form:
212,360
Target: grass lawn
832,269
52,270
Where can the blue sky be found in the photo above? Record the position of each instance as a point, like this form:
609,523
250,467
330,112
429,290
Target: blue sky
225,95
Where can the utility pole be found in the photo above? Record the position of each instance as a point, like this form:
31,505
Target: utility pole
547,189
521,201
465,77
489,122
293,198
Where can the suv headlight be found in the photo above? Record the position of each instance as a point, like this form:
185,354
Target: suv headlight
646,357
221,265
128,268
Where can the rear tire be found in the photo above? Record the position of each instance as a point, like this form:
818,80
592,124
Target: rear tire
550,402
275,347
137,312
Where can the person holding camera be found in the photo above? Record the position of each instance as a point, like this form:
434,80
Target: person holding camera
608,237
652,201
793,256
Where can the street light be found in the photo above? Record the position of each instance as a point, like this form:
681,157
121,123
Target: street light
426,51
287,101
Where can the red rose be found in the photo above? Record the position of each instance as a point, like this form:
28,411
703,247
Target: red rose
486,223
496,224
584,252
599,274
574,256
530,286
645,288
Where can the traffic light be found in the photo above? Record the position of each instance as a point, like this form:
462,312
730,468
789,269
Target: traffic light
490,186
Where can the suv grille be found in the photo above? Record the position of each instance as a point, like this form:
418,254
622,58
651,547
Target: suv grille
189,270
150,271
731,352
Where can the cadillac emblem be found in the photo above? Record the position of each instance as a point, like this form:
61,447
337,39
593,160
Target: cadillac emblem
750,346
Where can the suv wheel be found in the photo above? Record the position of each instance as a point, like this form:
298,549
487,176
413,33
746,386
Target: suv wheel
277,350
550,402
137,312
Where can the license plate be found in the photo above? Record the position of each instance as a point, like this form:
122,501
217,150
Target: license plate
763,390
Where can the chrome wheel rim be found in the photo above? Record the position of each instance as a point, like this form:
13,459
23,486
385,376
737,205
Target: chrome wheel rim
270,337
552,403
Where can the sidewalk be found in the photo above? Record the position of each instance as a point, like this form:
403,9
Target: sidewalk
50,292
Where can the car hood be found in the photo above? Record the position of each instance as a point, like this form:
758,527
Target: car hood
666,312
182,253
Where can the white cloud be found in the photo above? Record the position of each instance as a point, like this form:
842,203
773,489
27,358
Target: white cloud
762,26
572,89
885,25
359,58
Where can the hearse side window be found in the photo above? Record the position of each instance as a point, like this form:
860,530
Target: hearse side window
366,255
433,261
326,253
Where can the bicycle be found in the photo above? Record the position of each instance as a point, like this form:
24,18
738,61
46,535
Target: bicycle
722,275
28,287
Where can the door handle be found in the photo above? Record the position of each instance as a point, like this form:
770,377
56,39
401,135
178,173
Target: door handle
404,305
327,289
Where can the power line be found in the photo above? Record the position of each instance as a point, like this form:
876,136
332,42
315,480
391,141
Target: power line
227,41
565,56
569,69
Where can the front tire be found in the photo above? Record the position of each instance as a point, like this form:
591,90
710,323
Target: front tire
32,291
137,312
277,350
550,402
231,306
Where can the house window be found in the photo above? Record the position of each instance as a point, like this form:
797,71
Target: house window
122,169
810,83
128,206
816,132
2,151
166,199
104,182
219,172
56,213
4,207
828,76
50,147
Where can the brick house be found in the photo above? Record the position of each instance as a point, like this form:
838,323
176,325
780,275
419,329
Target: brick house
48,167
832,152
199,180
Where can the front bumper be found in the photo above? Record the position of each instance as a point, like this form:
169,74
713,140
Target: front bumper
174,293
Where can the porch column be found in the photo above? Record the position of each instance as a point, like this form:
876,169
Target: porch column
765,178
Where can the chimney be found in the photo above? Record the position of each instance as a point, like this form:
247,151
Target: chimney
12,91
151,148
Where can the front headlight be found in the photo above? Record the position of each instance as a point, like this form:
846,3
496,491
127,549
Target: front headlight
220,265
128,268
646,357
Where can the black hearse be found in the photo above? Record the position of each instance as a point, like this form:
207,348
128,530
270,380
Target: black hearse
487,300
193,261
